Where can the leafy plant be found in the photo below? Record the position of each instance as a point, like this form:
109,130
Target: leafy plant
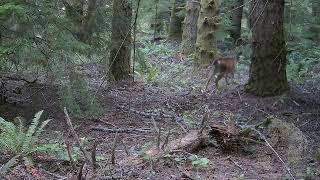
22,144
199,163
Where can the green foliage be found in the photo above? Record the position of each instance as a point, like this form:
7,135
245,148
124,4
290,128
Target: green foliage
14,141
199,162
302,60
78,98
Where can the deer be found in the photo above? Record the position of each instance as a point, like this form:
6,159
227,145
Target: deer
224,67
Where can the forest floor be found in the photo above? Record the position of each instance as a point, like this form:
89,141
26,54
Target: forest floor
176,91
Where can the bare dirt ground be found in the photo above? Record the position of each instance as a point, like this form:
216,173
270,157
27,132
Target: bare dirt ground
131,105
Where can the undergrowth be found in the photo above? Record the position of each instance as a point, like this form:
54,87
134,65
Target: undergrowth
21,144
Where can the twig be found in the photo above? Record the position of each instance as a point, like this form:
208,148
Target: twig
204,120
107,123
113,156
125,147
74,134
165,143
119,130
158,132
235,163
93,156
114,177
80,170
69,147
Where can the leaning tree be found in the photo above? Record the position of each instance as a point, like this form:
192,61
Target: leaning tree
268,63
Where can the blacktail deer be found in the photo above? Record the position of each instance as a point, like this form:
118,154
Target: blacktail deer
224,67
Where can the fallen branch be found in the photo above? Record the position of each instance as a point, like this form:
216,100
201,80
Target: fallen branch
275,152
119,130
74,134
189,143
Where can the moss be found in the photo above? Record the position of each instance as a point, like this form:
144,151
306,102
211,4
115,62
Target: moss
206,49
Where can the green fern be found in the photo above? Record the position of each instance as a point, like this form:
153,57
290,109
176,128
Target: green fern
14,141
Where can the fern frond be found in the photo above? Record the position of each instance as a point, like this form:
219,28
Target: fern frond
40,129
9,137
32,129
13,161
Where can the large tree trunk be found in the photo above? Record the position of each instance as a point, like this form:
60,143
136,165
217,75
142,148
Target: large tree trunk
237,10
315,28
121,39
189,36
175,26
268,64
208,22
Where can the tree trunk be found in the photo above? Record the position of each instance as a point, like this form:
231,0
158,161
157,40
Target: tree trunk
237,10
208,22
175,26
268,64
315,28
189,35
121,39
156,24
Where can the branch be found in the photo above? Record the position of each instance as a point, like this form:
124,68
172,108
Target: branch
74,134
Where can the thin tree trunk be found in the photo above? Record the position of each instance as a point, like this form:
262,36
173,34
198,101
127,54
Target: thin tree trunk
121,39
156,28
268,64
189,35
175,26
208,22
315,28
236,10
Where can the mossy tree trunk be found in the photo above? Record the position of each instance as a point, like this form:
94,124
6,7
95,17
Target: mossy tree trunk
208,23
315,28
268,64
121,39
189,35
236,16
176,19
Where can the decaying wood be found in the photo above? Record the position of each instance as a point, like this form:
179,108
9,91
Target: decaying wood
190,143
227,137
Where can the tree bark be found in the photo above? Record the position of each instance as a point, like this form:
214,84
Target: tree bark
208,23
189,35
236,10
315,28
121,39
268,63
175,26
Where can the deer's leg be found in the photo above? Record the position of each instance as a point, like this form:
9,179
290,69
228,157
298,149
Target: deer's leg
211,74
218,79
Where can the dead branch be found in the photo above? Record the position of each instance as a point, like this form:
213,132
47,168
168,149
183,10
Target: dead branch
74,134
205,119
18,78
165,143
113,151
69,148
119,130
275,152
93,156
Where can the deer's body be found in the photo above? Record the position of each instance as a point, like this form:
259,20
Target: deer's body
224,67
